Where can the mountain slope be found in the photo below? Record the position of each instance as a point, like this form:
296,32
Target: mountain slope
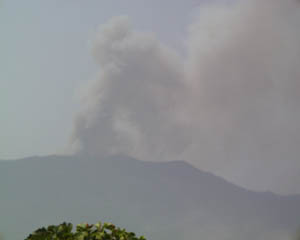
161,200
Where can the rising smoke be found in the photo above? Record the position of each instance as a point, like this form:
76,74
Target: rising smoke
230,106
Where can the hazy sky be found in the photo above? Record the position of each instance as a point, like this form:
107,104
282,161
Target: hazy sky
45,57
214,83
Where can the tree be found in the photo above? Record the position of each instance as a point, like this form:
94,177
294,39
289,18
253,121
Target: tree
98,231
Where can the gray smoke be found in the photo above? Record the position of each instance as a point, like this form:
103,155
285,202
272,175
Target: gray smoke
130,106
230,106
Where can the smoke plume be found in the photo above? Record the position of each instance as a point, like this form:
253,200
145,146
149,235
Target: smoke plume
229,106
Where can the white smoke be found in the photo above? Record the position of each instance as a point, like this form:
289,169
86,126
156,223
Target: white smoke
231,106
130,107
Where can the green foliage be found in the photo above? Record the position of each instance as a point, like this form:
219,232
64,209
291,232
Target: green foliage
98,231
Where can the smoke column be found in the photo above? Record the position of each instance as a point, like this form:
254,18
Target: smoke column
229,106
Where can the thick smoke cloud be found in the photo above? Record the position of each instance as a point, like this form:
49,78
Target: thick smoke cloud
131,106
230,106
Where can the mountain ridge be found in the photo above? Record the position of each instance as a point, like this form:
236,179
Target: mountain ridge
114,157
143,196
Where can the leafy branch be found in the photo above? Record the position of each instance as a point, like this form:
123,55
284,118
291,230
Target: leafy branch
98,231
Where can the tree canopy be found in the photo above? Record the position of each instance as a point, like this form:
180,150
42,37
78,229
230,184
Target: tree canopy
98,231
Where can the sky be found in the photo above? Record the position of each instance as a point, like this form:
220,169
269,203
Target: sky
45,58
212,83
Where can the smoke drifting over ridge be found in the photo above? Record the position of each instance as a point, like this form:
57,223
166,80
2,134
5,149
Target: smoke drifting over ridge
231,106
